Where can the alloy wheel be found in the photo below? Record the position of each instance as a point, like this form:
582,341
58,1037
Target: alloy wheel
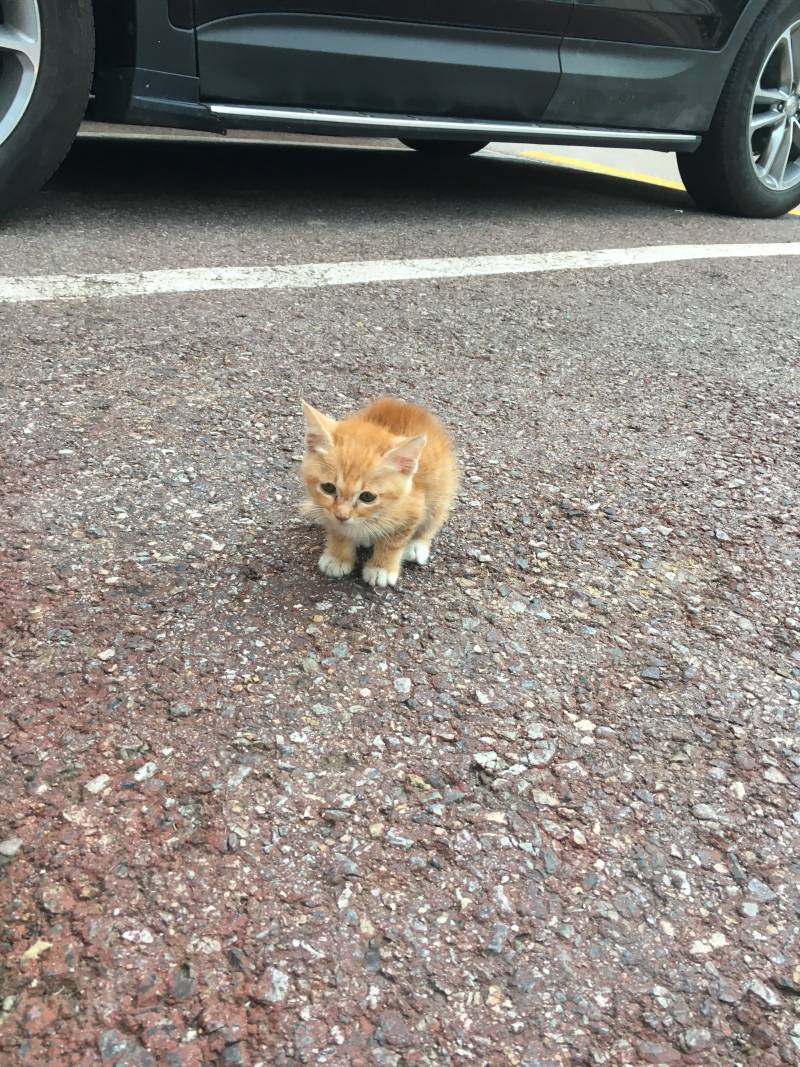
20,58
775,115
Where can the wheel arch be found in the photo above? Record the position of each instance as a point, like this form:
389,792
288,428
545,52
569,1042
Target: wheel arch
146,63
115,28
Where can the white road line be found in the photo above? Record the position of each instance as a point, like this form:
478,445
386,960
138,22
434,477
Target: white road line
20,290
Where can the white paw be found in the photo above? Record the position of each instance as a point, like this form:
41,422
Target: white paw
417,552
333,567
379,576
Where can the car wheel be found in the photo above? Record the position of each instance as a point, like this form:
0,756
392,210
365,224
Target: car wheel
749,161
46,56
444,148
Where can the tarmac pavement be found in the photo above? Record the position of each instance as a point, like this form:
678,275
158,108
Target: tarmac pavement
539,805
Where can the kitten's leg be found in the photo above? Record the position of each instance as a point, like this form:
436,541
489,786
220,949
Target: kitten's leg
384,567
339,556
418,549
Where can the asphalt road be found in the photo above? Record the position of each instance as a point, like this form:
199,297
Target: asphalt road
540,805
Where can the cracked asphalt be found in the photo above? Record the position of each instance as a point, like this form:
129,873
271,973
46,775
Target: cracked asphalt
540,805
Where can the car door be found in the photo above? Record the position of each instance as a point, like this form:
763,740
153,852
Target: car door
491,59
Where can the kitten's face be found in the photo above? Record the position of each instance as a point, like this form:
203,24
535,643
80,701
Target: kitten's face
347,494
353,474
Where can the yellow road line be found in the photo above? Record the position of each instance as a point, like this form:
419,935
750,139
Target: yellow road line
615,172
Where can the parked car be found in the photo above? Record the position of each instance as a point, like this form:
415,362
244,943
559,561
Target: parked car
716,81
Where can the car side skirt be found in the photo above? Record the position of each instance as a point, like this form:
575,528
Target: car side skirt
364,124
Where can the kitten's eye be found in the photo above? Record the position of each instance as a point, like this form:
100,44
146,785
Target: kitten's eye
329,488
366,497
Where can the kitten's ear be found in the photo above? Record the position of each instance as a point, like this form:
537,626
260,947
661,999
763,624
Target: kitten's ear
405,456
319,429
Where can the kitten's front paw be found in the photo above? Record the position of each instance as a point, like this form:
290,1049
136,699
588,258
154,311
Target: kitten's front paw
333,567
379,576
417,552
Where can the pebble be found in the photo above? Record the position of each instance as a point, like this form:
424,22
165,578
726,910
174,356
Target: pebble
106,654
499,817
403,686
395,838
11,846
728,992
394,1030
749,909
147,770
98,784
541,754
703,948
489,761
737,871
656,1052
205,946
773,774
130,748
182,986
550,860
275,986
500,934
705,812
760,890
138,937
36,949
238,776
585,726
180,711
787,984
502,901
695,1039
763,993
651,674
482,698
114,1047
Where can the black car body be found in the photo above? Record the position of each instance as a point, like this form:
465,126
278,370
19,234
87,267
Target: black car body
630,73
643,72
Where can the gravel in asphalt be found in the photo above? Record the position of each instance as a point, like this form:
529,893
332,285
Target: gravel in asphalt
538,806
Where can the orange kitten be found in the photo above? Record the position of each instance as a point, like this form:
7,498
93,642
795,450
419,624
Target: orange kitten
383,478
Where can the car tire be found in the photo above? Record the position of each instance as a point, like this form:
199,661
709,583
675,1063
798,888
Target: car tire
444,149
44,89
728,173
